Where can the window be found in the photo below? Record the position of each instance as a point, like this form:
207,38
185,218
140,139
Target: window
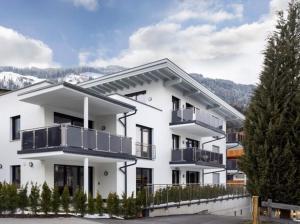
188,105
143,178
72,177
16,175
216,148
175,103
143,135
63,118
175,176
191,143
138,96
192,177
15,127
175,141
216,178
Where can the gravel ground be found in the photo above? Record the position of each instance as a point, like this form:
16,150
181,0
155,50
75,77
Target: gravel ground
180,219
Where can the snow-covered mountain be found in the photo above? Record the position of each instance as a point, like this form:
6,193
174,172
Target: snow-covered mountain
238,95
12,80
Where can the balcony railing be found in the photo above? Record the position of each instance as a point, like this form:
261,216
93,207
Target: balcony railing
65,135
235,137
191,114
195,155
145,151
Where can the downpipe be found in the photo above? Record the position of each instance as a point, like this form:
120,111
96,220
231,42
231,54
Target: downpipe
123,169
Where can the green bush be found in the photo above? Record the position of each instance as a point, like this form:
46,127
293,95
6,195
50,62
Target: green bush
46,198
55,200
65,199
79,202
23,198
113,204
99,204
34,197
91,205
12,195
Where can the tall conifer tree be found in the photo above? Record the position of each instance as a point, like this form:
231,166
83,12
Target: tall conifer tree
272,127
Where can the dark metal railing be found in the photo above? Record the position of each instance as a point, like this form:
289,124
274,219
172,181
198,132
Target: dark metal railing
191,114
196,155
65,135
166,195
145,151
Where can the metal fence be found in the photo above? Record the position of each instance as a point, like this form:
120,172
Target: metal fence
196,155
191,114
166,195
145,151
65,135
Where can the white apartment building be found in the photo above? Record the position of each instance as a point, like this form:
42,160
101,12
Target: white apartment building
152,124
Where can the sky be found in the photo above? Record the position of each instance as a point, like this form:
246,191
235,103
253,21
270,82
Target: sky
217,38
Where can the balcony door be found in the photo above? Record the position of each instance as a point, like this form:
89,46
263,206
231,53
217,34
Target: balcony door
175,141
192,177
175,103
143,178
192,143
144,141
72,177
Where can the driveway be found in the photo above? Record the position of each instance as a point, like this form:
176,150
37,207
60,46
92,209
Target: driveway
182,219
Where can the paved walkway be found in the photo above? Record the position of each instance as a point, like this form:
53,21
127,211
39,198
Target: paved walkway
182,219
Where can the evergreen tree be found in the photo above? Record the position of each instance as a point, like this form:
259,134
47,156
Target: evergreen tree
91,205
79,202
99,204
46,198
113,204
12,197
55,200
65,199
272,126
34,197
23,198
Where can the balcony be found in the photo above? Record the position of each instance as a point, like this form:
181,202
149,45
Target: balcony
232,164
197,122
235,137
145,151
195,156
68,139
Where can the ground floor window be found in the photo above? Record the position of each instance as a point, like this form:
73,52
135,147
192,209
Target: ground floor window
143,178
175,176
192,177
16,175
71,176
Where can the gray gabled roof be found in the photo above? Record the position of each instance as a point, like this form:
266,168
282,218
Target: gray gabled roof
171,75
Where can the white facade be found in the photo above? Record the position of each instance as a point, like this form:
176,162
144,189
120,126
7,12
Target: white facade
36,109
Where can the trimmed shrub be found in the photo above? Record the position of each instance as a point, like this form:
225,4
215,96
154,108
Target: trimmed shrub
65,199
46,198
79,202
91,205
23,198
55,200
99,204
12,195
131,203
34,197
113,204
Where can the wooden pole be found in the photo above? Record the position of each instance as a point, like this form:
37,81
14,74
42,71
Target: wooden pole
255,210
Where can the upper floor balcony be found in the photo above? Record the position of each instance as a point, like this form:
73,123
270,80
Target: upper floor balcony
235,137
69,140
197,122
195,156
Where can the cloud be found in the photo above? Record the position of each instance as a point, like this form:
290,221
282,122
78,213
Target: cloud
210,11
233,53
90,5
21,51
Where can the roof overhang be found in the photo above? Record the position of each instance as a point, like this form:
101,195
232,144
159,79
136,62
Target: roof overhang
71,97
197,129
171,75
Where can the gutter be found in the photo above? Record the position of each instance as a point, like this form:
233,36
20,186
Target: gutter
123,169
